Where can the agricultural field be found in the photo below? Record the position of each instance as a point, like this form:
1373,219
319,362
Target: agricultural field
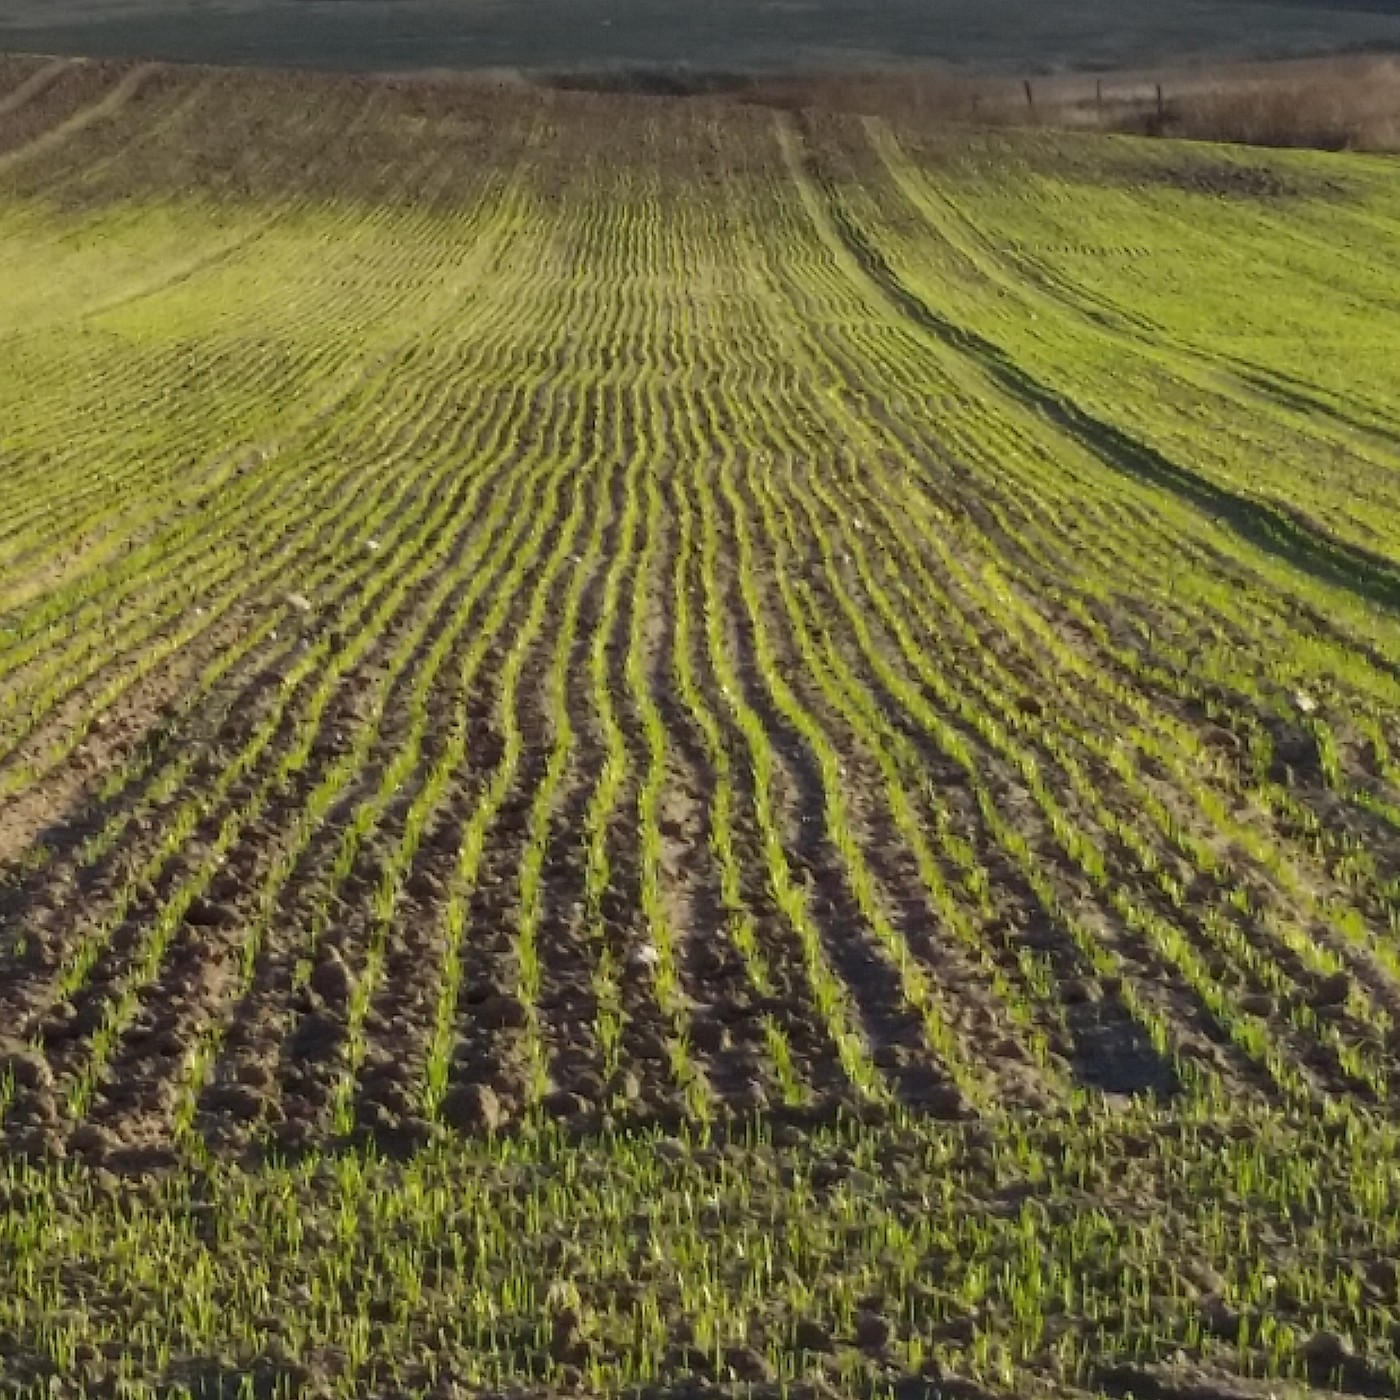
665,748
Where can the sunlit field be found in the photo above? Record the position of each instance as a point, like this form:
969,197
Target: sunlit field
668,747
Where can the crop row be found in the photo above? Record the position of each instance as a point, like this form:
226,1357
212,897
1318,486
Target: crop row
692,633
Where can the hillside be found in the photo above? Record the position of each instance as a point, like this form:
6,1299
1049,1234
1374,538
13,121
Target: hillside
665,747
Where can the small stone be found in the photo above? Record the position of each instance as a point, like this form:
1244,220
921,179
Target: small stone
473,1108
1029,705
1257,1004
299,601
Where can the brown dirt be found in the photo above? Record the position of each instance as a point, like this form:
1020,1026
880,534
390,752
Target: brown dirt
283,1051
95,743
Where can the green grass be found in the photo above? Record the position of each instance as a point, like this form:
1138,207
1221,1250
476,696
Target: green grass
1084,1250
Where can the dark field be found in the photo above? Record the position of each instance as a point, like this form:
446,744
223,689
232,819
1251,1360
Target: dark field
394,34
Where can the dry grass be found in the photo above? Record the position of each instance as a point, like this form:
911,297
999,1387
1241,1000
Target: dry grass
1340,103
1350,107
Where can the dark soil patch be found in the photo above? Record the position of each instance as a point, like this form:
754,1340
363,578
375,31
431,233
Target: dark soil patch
1217,179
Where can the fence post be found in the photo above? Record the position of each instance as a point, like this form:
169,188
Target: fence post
1161,105
1030,96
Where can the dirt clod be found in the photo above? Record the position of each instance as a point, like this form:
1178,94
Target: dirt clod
563,1103
332,980
1219,1318
500,1013
873,1331
710,1036
28,1068
568,1339
746,1364
236,1100
318,1035
92,1141
387,1091
473,1108
208,913
1326,1349
811,1336
1331,991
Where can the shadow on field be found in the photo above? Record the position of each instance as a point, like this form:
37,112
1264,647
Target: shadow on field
264,1379
1350,1375
274,1380
780,1123
654,80
1269,526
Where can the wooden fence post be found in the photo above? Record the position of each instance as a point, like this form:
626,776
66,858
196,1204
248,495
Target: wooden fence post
1030,96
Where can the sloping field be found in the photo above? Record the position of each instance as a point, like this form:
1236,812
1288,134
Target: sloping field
650,745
